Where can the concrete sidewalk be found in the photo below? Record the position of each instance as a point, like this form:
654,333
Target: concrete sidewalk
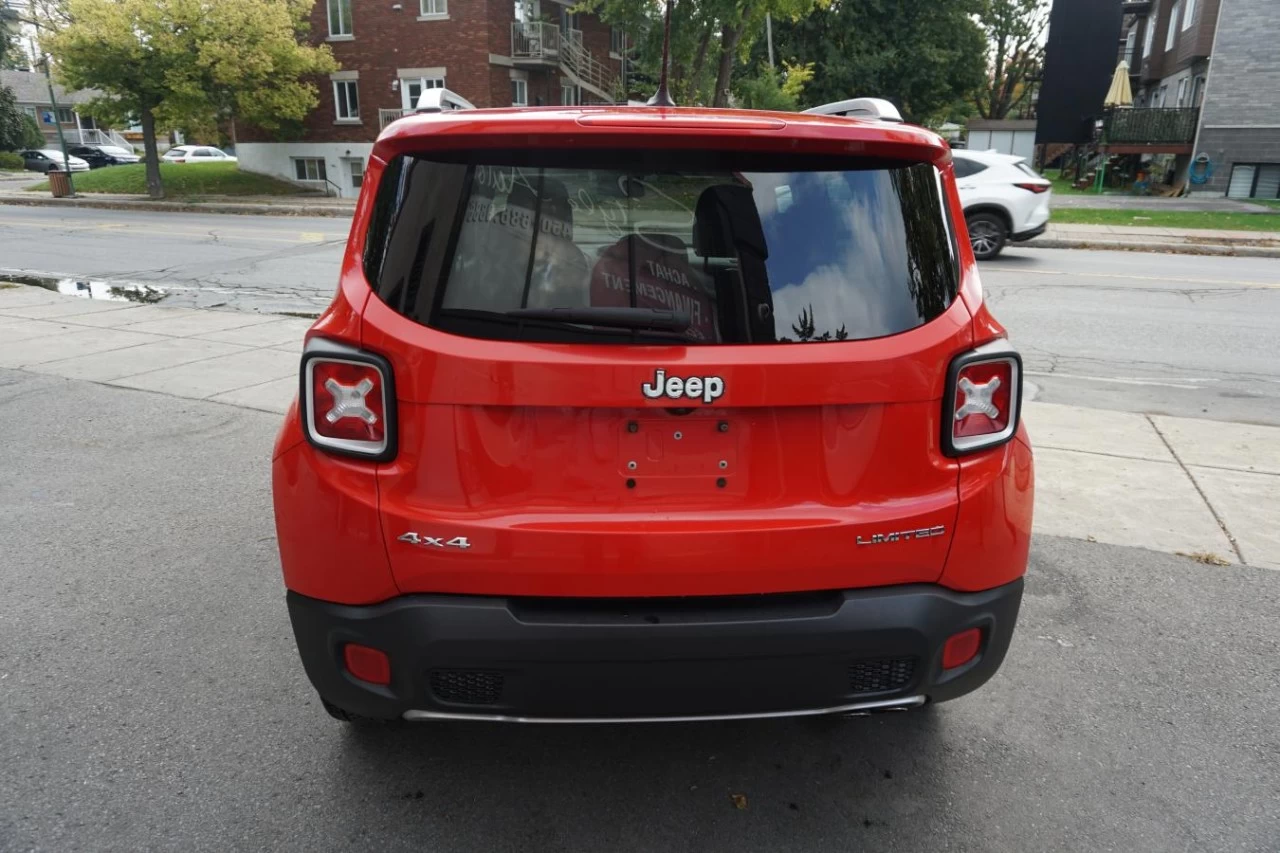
1132,238
1196,487
236,205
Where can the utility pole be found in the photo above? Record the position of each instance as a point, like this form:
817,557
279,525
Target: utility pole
768,31
57,122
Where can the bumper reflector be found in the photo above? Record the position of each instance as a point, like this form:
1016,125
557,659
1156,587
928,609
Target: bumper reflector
367,664
961,648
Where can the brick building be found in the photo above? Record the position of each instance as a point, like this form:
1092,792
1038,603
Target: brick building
494,53
1206,85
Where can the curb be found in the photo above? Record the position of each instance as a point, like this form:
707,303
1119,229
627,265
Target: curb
183,207
1245,251
1241,249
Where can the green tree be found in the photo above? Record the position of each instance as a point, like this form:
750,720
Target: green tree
708,38
1015,31
923,55
768,90
189,64
12,132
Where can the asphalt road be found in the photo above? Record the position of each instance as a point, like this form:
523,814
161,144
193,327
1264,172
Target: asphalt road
151,697
1178,334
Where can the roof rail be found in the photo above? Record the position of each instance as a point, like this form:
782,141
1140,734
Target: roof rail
877,108
442,101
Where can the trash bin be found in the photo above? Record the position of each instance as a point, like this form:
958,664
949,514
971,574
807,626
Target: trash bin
59,184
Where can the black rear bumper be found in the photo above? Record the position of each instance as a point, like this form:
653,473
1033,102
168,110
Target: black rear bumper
1023,236
591,659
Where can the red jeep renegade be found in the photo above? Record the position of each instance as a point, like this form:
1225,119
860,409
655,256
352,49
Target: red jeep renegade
633,414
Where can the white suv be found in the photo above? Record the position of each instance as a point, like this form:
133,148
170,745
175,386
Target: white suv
196,154
1003,198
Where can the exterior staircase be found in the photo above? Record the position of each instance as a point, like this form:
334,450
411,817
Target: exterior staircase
545,45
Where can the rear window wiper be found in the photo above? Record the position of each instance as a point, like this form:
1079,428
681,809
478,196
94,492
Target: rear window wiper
622,318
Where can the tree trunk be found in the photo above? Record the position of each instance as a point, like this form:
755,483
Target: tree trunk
699,60
155,188
729,35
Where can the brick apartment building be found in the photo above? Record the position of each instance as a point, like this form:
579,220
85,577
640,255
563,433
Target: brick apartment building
494,53
1206,84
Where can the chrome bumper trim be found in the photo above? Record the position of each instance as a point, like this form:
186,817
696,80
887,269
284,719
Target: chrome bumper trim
855,709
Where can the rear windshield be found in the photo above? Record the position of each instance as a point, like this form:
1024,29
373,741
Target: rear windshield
714,248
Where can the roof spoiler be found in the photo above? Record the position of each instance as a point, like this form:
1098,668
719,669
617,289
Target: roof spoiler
442,101
874,108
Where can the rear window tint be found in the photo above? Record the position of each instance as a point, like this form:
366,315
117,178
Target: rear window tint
749,249
1023,167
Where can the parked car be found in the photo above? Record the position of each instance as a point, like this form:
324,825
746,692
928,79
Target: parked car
653,414
196,154
50,160
1004,200
98,156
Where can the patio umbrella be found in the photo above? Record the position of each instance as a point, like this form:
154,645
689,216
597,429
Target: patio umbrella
1119,95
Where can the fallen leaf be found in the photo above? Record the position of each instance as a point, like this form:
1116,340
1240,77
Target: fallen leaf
739,800
1206,557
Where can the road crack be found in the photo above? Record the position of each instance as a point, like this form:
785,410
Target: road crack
1235,546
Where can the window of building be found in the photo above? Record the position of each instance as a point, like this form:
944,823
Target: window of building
1130,42
617,40
339,18
66,116
1198,92
347,100
31,111
569,95
411,88
519,93
1171,35
1254,180
309,169
1182,92
528,10
1160,95
1148,33
1189,16
434,8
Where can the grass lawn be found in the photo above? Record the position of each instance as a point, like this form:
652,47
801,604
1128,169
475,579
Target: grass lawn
1169,219
181,181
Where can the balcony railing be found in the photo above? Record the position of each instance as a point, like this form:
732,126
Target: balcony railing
535,40
547,43
385,117
1160,125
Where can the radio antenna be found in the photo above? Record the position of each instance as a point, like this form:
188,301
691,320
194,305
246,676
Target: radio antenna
662,97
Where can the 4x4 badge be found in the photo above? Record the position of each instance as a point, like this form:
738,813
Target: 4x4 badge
434,541
708,388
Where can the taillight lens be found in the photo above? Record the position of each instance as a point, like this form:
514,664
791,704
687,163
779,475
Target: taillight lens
348,399
1034,188
984,391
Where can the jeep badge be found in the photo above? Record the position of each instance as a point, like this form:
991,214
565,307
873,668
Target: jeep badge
709,388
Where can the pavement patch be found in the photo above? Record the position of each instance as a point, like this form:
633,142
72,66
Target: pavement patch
216,375
1124,502
1094,430
1249,505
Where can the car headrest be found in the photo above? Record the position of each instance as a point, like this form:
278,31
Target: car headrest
726,221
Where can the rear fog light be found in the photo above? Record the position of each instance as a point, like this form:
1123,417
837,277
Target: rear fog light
367,663
961,648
